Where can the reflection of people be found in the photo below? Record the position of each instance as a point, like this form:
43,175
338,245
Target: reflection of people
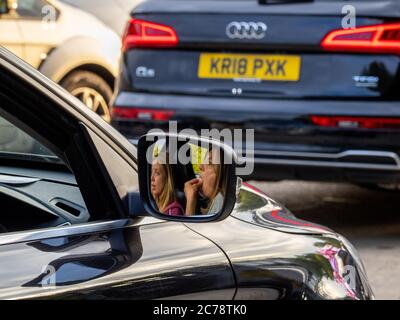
163,188
209,185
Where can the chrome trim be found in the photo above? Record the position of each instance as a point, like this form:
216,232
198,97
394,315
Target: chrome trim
246,30
353,165
16,180
65,224
61,231
339,155
25,236
311,163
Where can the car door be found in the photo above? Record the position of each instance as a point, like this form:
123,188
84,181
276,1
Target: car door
151,260
37,21
90,248
112,13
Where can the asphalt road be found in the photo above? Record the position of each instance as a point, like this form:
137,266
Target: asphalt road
370,219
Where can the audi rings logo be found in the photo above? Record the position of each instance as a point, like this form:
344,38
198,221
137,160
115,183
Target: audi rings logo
246,30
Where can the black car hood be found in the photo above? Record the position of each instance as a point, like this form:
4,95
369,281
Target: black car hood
255,207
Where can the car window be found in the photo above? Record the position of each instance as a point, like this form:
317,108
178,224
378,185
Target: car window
37,190
123,176
14,143
31,8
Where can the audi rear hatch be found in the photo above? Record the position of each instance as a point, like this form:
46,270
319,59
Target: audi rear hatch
296,49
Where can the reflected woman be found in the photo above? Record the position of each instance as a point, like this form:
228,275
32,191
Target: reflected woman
163,187
208,185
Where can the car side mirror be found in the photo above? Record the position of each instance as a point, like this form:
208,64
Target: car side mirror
186,178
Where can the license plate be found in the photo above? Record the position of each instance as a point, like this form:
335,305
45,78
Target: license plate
249,66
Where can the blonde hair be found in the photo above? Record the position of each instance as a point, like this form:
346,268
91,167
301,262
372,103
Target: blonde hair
167,196
217,167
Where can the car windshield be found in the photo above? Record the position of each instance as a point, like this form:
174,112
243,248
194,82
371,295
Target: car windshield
16,144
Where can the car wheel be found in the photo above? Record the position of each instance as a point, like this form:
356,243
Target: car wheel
92,90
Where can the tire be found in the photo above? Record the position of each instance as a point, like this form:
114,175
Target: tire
92,90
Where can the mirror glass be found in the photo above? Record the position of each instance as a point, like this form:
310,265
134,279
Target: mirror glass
186,179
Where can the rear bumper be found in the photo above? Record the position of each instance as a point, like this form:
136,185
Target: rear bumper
287,145
243,106
357,166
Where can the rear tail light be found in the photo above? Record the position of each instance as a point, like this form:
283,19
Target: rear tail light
142,114
383,38
140,33
356,122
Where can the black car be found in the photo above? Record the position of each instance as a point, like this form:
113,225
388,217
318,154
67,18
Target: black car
78,220
318,81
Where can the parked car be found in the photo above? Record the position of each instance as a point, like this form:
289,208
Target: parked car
66,44
323,100
78,221
113,13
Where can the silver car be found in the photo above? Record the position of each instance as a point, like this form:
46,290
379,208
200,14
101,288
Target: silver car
113,13
68,45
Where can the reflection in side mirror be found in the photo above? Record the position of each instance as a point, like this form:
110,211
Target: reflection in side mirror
185,178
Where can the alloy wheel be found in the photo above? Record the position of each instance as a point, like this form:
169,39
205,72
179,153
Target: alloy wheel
94,101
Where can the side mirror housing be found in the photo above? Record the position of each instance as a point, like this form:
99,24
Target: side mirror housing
186,178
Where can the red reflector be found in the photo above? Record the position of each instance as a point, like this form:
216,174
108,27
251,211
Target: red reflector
276,214
142,114
356,122
140,33
383,38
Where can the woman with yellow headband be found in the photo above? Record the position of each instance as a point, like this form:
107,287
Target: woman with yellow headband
209,185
